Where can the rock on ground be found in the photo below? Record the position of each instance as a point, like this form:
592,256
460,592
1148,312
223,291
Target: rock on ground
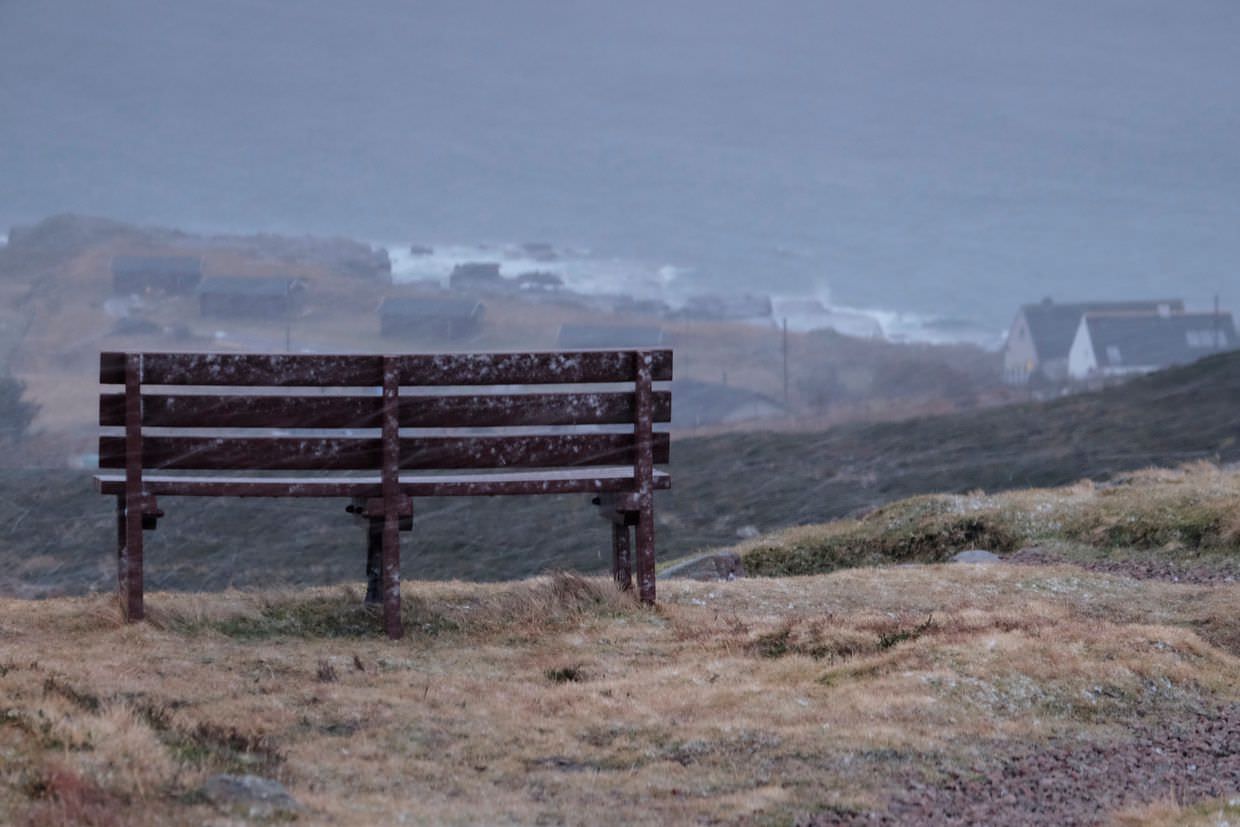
723,566
975,555
249,795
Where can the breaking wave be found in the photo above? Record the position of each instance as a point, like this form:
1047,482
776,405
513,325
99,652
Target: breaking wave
673,285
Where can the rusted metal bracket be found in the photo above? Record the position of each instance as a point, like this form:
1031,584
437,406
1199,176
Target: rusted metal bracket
620,509
150,511
366,509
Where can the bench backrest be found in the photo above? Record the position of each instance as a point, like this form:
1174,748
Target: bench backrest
243,412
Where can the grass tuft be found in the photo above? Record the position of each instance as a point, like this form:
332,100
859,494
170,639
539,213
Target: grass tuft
523,608
566,674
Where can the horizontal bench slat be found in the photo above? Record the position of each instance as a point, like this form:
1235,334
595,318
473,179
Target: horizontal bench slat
481,411
315,370
548,482
360,454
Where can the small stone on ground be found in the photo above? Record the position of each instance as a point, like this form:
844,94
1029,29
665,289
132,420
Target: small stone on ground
975,555
722,566
249,795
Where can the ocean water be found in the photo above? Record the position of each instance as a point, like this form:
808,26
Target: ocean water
932,165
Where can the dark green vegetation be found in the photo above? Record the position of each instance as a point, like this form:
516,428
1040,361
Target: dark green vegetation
60,533
1190,518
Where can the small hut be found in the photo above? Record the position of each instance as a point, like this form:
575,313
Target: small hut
430,317
174,275
262,297
477,276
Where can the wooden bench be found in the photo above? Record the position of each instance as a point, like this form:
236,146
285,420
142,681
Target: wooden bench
268,425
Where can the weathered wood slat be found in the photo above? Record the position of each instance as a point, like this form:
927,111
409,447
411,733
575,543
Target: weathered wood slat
360,454
481,411
602,480
291,370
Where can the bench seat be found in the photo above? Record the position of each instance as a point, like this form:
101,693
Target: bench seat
382,430
574,481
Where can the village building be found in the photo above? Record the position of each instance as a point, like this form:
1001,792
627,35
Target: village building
263,297
720,308
539,281
430,317
1121,344
542,251
586,337
1042,334
174,275
477,276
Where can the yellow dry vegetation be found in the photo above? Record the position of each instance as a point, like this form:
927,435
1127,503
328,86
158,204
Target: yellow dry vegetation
557,700
1223,812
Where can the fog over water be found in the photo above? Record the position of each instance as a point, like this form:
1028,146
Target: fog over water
949,159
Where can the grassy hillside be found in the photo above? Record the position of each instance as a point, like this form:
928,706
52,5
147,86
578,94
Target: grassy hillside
1186,519
59,531
905,694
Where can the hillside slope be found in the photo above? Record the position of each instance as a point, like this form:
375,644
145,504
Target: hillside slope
953,694
59,531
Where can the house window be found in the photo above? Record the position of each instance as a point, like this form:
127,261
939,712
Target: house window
1113,355
1205,338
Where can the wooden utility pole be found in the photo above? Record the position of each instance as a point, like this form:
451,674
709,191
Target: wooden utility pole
1218,345
785,362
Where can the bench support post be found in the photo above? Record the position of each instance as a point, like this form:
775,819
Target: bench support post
374,561
391,500
643,476
621,556
121,563
130,555
370,511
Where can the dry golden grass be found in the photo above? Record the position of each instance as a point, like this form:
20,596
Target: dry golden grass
557,700
1223,812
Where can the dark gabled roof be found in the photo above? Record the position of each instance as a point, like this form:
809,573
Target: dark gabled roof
722,307
429,307
145,265
1053,326
1154,341
248,286
614,336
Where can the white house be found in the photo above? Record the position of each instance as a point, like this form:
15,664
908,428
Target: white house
1109,344
1041,335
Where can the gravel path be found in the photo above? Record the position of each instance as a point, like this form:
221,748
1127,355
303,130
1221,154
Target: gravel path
1067,783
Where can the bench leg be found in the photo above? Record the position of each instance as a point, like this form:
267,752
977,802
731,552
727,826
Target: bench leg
120,547
129,562
391,575
621,556
374,561
645,548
